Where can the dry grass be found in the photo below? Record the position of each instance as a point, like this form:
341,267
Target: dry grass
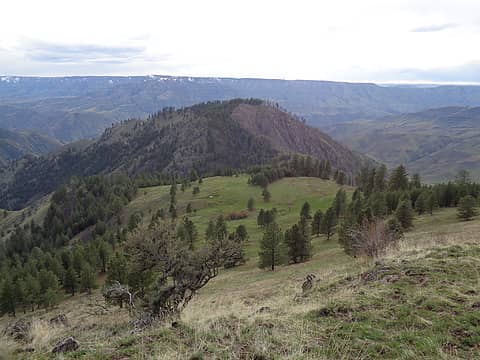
244,311
43,335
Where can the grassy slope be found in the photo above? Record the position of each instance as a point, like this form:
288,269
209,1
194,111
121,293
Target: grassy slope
417,303
224,195
35,212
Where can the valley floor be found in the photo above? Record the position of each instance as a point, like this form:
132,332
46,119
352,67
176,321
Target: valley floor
420,301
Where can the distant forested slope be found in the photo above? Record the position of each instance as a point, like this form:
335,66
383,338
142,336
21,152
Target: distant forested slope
436,143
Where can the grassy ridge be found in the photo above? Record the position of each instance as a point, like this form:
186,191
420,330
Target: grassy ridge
224,195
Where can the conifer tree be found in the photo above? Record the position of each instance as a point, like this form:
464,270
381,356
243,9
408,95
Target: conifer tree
266,195
432,202
188,232
8,301
305,212
32,291
298,241
49,288
399,179
271,247
377,204
421,204
210,232
327,170
87,279
117,269
221,231
251,204
404,214
241,233
329,221
70,281
467,208
380,178
104,255
317,222
340,203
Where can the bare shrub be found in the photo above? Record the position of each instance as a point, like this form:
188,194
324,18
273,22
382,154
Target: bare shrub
237,215
372,238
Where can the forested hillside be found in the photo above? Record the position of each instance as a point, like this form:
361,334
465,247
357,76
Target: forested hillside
209,138
14,145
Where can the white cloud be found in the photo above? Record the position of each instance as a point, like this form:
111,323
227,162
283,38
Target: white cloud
365,40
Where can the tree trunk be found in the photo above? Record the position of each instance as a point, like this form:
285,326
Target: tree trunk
273,260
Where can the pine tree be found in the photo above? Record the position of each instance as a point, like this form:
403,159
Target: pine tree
305,212
432,202
193,175
467,208
8,300
173,211
49,288
421,204
117,269
329,221
327,170
317,222
221,231
241,233
210,232
78,259
187,232
378,205
32,291
340,203
70,281
103,254
292,237
341,178
298,241
251,204
266,195
380,178
399,179
404,214
271,247
87,279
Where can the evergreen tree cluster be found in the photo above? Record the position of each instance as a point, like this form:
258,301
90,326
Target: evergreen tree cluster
295,166
85,202
45,277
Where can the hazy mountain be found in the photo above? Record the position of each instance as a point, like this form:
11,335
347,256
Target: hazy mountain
436,143
208,137
14,145
71,108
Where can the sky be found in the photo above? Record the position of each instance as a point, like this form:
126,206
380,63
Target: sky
422,41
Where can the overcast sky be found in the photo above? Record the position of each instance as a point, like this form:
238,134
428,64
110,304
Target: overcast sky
353,40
